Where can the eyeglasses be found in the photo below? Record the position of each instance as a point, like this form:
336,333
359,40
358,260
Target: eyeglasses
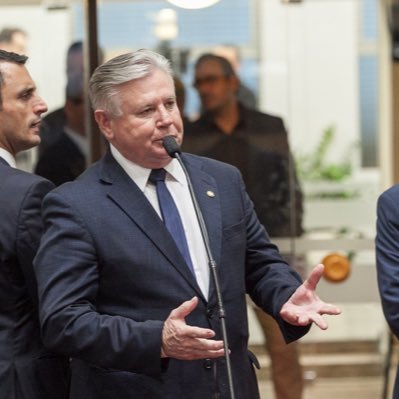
208,80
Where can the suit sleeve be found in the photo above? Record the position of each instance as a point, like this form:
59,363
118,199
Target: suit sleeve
270,280
387,257
68,277
29,230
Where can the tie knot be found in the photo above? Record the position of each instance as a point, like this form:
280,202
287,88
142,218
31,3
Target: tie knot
157,175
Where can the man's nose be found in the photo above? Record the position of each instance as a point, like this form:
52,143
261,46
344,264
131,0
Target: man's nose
40,106
164,116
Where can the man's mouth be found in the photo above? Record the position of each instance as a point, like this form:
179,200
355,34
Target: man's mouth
36,124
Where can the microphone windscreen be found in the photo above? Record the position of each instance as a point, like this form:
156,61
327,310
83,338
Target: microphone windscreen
171,146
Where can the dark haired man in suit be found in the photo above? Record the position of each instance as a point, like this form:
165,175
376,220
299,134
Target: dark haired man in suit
27,369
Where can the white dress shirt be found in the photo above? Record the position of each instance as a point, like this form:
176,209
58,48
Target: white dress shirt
8,157
176,183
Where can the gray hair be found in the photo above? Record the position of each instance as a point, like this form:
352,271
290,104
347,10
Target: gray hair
103,85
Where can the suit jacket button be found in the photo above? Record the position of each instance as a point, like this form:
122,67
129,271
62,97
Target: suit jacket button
207,364
209,313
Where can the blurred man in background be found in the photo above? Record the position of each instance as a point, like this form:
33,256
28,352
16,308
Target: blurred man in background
257,144
55,121
14,40
65,159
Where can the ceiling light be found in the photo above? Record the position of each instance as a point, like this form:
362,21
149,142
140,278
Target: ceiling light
193,4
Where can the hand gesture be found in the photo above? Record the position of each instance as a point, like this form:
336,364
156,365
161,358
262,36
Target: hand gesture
185,342
305,307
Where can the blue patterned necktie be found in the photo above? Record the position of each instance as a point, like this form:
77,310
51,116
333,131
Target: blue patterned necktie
170,214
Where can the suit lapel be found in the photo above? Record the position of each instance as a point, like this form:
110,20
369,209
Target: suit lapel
4,162
207,194
127,196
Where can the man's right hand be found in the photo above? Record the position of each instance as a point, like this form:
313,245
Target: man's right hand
184,342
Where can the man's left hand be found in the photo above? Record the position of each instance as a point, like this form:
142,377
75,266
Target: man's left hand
305,307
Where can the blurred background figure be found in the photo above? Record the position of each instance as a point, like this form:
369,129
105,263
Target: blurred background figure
256,143
54,122
232,53
180,97
14,40
64,158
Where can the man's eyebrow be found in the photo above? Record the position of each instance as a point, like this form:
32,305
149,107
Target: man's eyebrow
27,90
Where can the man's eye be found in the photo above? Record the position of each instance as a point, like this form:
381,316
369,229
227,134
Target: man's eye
26,95
170,104
146,111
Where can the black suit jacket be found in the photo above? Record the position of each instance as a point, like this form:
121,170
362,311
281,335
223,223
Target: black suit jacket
258,147
109,274
62,161
51,129
27,370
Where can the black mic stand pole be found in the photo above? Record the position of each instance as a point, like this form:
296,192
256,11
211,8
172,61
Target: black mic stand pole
213,268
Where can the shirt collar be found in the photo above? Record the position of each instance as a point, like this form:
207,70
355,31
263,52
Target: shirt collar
140,175
8,157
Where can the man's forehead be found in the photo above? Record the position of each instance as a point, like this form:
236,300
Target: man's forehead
9,68
15,75
209,67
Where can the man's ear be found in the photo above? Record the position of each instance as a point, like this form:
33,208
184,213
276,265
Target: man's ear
104,123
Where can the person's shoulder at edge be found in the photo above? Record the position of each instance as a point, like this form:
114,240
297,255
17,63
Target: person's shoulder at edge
388,198
24,177
23,185
391,191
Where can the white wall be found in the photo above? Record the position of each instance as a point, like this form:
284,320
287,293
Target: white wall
49,38
309,73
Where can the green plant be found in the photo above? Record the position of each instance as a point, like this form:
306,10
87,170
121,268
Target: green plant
314,166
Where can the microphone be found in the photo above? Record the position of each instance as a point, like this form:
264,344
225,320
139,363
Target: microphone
171,146
173,150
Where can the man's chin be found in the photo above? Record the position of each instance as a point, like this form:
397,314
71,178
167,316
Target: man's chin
33,142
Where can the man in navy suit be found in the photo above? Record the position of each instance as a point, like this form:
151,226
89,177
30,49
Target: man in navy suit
387,255
116,293
27,369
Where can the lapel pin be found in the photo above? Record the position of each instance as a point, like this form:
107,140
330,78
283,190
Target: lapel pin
210,194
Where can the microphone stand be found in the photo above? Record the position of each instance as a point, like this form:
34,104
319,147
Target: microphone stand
213,269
